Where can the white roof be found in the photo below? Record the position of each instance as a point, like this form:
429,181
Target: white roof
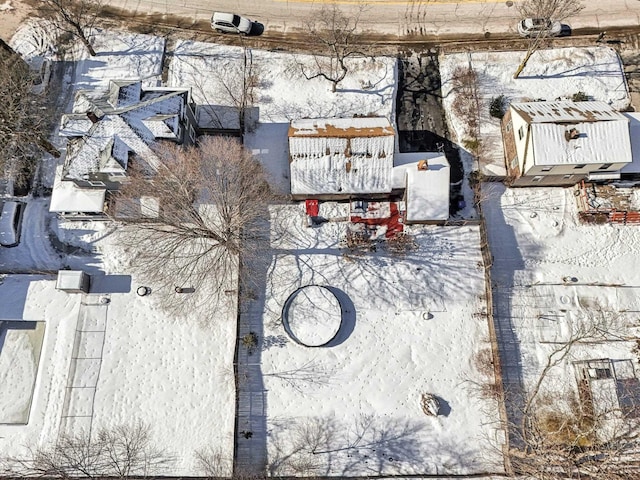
553,112
69,279
341,156
127,121
403,161
67,197
634,130
597,142
427,195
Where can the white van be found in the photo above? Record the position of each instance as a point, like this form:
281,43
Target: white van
10,223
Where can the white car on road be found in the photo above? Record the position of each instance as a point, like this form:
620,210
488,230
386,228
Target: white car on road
543,27
231,23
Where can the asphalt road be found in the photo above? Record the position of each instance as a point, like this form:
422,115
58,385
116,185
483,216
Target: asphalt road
392,17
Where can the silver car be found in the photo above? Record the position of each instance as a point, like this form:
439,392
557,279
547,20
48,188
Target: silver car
230,23
539,27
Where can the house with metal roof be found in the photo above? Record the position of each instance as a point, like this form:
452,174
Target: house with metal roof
562,143
340,158
108,131
355,159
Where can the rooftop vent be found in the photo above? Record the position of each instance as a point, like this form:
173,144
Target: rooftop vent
93,117
571,134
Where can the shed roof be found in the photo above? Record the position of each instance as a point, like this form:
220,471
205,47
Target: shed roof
566,112
341,156
427,194
71,280
596,142
341,127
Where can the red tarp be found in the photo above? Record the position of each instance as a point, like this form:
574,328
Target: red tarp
313,209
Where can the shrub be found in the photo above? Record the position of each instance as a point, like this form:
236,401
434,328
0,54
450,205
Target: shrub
580,96
497,106
473,145
250,340
401,243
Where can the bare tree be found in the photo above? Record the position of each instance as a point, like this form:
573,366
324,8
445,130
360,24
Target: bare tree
466,106
561,432
238,80
332,35
24,120
75,17
213,463
554,10
123,451
207,203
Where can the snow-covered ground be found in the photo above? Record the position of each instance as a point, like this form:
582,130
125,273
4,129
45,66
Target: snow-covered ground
549,75
281,93
412,325
125,358
555,280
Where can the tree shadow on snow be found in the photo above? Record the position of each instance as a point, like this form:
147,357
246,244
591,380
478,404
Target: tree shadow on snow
368,445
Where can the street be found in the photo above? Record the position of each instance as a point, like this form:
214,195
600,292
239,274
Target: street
399,18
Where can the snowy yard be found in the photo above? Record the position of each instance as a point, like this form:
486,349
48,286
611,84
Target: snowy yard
412,325
114,357
555,279
549,75
281,94
126,361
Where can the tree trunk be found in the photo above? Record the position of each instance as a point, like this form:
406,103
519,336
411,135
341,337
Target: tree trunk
523,63
85,40
48,147
87,44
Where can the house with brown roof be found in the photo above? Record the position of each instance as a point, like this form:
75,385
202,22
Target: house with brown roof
562,143
340,158
355,158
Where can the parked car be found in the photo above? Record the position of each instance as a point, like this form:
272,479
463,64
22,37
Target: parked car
533,27
231,23
10,223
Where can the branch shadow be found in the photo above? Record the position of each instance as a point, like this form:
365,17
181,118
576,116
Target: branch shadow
368,445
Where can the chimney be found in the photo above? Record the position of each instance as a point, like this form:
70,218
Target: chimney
423,165
93,117
571,134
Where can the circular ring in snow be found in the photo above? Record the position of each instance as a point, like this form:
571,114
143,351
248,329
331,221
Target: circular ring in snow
312,316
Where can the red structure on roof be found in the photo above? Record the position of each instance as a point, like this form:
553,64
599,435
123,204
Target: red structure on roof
313,209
